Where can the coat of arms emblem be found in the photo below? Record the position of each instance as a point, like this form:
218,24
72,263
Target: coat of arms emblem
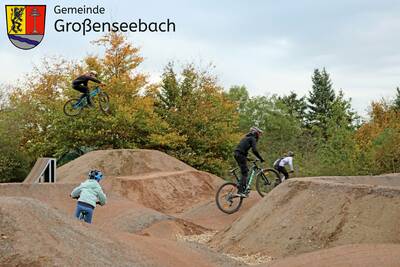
25,25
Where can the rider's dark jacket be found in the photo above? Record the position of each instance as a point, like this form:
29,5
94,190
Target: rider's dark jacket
249,141
83,80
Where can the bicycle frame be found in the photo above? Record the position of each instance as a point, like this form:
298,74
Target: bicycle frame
82,102
95,92
254,171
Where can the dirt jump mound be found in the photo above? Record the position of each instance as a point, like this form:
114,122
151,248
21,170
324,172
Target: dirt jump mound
304,215
120,162
151,178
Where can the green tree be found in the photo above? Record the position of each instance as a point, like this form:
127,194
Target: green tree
194,105
240,96
14,163
320,101
396,102
337,152
296,106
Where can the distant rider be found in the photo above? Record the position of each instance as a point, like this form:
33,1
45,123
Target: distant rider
280,163
89,193
81,84
241,152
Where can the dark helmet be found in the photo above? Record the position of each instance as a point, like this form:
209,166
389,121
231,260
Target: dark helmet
255,130
290,154
96,175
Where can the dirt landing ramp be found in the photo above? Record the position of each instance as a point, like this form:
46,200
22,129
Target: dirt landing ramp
367,255
304,215
209,216
167,192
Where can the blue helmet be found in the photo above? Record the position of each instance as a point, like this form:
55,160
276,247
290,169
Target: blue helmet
95,174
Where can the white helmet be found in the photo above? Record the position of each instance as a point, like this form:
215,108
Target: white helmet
256,130
93,72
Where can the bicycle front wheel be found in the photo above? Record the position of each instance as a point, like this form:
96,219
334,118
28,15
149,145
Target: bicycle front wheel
104,102
227,199
265,181
71,109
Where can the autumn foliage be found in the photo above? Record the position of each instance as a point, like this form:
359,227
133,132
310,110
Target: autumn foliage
187,114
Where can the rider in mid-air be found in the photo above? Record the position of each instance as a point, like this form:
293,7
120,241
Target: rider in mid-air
88,194
241,152
81,84
280,163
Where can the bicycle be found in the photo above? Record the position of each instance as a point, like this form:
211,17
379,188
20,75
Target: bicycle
227,198
82,215
74,106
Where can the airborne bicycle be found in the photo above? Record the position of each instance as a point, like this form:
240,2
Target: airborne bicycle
74,106
227,198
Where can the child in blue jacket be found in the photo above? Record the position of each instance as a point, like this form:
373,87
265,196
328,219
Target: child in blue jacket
89,193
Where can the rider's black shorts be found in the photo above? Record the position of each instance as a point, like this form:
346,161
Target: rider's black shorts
81,88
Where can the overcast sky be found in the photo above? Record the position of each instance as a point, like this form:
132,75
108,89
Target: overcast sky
268,46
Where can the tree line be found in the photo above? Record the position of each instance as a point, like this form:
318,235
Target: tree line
191,117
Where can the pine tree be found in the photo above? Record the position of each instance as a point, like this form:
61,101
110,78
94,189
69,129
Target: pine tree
396,103
320,101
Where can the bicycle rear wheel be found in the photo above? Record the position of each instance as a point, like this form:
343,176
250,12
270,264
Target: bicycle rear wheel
70,108
227,199
265,181
104,102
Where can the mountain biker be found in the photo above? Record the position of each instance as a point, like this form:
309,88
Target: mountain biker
280,163
81,84
241,152
88,194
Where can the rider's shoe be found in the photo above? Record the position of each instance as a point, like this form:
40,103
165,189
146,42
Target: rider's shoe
89,106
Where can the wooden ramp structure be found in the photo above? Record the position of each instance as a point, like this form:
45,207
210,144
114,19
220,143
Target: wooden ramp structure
44,171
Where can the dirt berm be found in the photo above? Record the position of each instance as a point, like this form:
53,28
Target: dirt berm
304,215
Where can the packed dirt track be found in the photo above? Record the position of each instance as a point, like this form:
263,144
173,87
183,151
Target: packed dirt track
161,212
366,255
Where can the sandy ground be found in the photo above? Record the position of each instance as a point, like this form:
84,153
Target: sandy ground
365,255
162,212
